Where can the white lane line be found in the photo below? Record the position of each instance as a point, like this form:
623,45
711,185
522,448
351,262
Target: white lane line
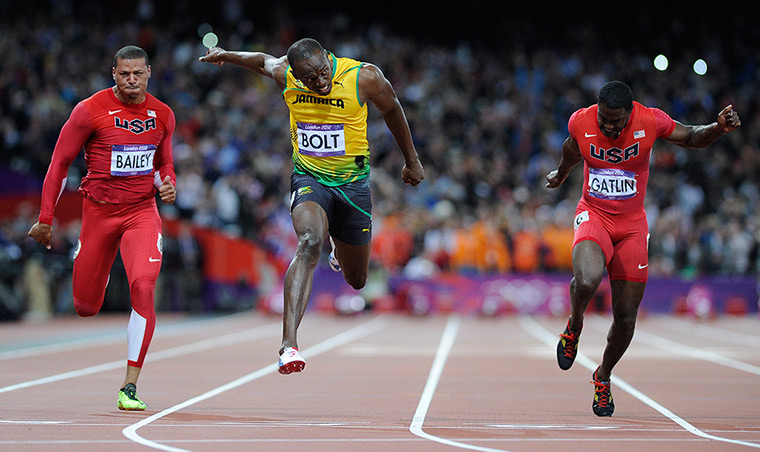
441,355
307,441
687,350
542,334
206,344
365,329
715,332
104,338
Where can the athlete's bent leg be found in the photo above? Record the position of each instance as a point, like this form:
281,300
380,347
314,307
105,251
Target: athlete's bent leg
626,297
588,270
310,225
94,257
354,262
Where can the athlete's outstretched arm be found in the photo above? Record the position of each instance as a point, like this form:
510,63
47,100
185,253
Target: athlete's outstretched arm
258,62
571,156
374,87
696,137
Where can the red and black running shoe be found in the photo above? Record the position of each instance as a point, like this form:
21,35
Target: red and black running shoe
603,404
567,348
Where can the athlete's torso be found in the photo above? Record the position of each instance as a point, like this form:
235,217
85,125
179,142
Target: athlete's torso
616,171
329,133
122,146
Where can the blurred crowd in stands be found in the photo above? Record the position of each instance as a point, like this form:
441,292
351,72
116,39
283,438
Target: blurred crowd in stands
488,117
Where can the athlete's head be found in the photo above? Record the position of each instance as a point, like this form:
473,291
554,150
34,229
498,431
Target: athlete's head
615,103
311,65
131,72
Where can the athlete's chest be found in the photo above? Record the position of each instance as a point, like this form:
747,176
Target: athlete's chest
118,125
630,150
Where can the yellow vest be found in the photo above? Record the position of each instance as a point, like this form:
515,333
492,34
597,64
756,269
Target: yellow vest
329,133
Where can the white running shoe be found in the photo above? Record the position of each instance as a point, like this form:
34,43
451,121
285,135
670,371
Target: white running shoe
291,361
333,261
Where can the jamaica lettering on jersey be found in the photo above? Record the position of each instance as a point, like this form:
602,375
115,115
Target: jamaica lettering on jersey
329,133
616,172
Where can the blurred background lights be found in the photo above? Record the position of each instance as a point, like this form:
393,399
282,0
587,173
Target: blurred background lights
204,28
700,67
210,40
661,62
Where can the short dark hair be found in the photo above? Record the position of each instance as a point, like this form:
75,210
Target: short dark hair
303,49
615,95
130,53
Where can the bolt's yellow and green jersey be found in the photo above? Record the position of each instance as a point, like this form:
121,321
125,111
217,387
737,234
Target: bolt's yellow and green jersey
329,133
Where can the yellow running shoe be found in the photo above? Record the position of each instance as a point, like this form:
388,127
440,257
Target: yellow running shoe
128,399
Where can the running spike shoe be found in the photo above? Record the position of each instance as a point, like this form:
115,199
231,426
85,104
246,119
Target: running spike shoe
567,348
332,260
128,399
291,361
603,404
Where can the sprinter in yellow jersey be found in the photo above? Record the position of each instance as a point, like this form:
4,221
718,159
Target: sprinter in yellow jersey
327,97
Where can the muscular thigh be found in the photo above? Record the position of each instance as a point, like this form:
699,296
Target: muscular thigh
589,225
630,261
351,221
95,252
141,242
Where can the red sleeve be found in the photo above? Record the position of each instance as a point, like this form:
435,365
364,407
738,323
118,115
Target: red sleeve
74,134
164,160
663,122
572,124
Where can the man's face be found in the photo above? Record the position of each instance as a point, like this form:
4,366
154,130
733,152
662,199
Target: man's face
131,77
315,73
612,121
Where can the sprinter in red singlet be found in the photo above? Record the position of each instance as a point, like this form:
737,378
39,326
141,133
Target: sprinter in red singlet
126,134
614,139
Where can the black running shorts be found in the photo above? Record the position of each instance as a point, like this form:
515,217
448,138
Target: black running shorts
348,206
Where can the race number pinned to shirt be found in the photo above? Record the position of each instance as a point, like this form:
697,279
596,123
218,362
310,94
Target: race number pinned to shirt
321,140
132,159
610,183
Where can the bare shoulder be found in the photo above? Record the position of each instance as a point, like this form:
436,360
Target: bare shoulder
277,68
372,82
370,73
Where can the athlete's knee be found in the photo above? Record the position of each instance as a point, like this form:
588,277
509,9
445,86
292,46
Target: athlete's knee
86,309
585,285
357,280
310,246
142,289
625,317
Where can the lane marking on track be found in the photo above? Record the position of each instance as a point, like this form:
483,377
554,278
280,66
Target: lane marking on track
716,332
195,347
542,334
357,332
341,441
105,338
441,355
686,350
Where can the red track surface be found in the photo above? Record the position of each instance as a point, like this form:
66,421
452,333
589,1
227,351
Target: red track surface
459,383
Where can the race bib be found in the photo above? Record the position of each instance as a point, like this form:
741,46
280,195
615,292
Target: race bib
321,140
610,183
132,159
